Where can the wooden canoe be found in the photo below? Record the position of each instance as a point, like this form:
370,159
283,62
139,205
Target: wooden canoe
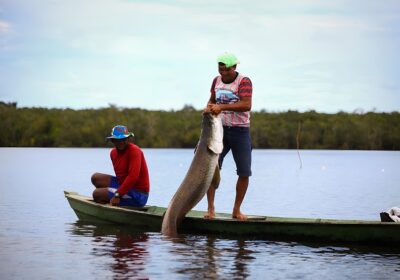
149,218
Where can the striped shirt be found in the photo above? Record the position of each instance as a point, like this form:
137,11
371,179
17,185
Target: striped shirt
231,93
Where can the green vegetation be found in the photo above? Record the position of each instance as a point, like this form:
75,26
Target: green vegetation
41,127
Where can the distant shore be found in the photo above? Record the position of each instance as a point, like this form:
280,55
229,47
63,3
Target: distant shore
43,127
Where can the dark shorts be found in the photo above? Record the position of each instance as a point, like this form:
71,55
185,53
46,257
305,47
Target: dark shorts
238,140
132,198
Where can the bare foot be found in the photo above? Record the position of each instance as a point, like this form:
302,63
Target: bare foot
239,216
209,215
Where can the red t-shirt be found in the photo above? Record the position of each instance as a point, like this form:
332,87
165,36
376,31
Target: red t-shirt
131,169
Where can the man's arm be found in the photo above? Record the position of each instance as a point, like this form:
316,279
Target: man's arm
212,99
243,105
210,103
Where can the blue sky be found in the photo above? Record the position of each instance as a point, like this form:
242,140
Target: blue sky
300,55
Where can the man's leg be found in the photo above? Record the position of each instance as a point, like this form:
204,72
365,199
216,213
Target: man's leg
241,188
101,182
217,178
210,200
241,151
211,193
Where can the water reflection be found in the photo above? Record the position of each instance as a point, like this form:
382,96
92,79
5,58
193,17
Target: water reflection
133,254
117,252
126,247
216,257
212,257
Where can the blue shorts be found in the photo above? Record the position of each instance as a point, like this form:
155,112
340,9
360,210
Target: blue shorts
238,140
132,198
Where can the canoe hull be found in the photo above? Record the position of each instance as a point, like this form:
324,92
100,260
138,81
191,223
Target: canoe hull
149,218
365,233
87,210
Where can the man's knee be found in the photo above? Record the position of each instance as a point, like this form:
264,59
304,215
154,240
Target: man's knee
95,195
100,180
100,196
243,178
95,179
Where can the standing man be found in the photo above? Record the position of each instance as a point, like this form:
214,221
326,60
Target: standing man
231,95
131,185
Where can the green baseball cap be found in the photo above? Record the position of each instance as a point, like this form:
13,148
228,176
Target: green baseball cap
229,59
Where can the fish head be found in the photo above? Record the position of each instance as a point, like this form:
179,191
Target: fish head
213,132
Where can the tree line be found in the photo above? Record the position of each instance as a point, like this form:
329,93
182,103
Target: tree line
49,127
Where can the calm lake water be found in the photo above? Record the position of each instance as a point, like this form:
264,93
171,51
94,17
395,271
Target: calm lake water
41,238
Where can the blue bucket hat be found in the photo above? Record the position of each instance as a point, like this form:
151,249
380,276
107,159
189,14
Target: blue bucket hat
120,132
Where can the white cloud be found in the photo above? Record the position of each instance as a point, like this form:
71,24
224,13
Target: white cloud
5,27
5,31
292,50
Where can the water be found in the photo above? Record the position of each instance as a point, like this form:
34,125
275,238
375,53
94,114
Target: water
41,238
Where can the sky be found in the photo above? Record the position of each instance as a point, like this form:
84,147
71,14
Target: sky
328,56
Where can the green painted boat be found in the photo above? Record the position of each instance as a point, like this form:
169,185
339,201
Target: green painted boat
149,218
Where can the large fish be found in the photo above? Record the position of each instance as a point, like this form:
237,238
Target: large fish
202,172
